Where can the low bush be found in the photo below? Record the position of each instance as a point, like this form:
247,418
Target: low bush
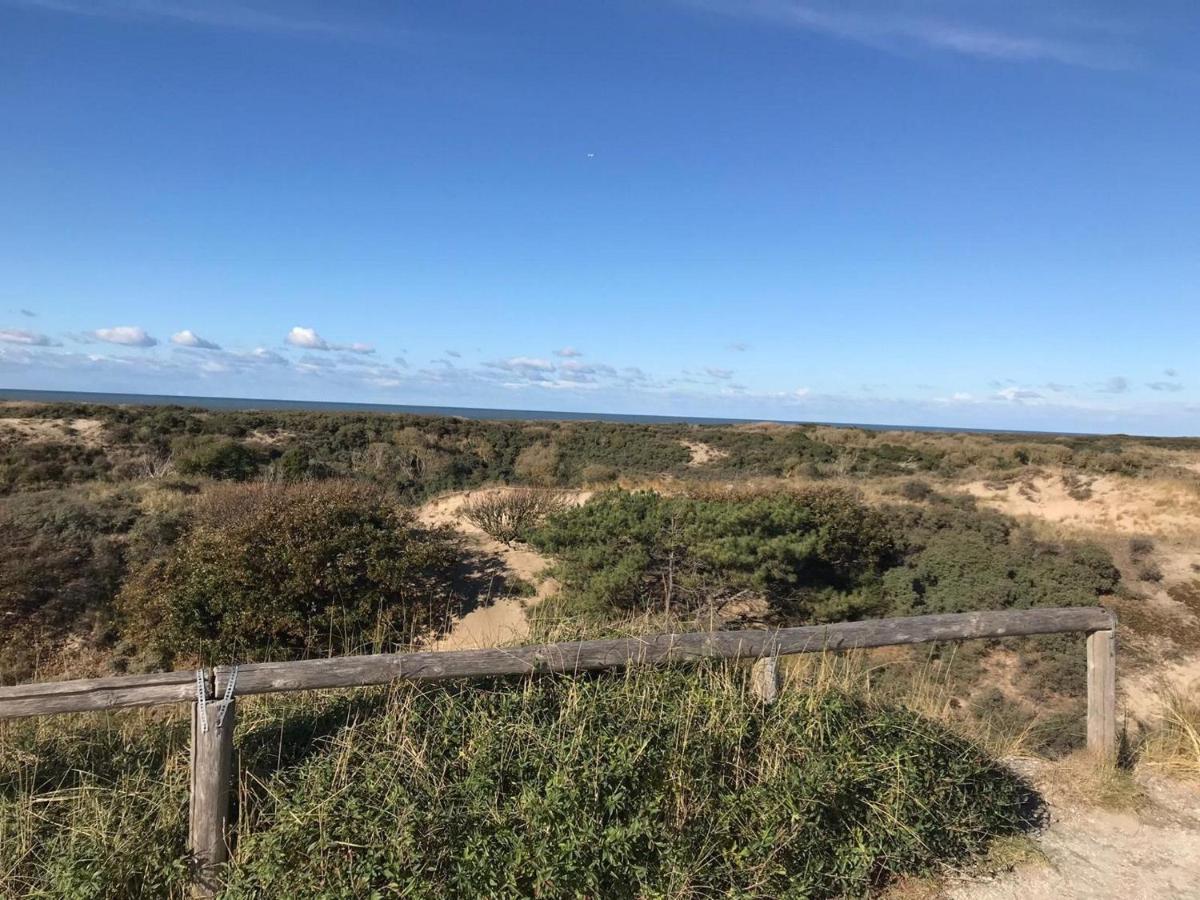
510,515
216,458
60,568
626,551
264,570
655,783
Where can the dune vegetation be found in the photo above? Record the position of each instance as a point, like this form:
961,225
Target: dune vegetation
143,539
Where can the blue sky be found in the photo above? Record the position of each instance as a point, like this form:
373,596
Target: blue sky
974,213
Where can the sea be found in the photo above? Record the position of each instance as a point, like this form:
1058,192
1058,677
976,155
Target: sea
465,412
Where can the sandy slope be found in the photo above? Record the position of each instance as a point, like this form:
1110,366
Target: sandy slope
494,620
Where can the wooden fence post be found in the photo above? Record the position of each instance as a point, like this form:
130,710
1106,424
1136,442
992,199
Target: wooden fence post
212,771
764,679
1102,693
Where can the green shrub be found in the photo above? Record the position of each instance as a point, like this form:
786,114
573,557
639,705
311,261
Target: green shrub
60,568
666,783
279,569
656,783
630,551
220,458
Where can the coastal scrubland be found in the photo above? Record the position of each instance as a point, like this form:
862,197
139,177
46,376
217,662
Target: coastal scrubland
138,539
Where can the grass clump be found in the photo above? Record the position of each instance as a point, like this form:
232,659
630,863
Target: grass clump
653,783
509,516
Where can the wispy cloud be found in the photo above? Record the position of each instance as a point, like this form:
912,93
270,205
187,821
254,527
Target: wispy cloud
1168,386
125,335
28,313
935,26
27,338
238,16
1118,384
1018,395
567,352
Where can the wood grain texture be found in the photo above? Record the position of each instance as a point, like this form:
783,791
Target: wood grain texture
208,811
1102,693
84,695
764,679
580,656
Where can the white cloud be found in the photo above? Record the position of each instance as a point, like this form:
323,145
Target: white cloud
307,338
126,335
28,338
960,397
568,352
715,372
1118,384
188,338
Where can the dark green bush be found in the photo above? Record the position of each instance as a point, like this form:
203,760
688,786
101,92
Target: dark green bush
280,569
216,458
640,550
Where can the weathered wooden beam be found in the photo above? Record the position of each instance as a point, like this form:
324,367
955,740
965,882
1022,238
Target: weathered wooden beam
1102,693
208,811
579,656
84,695
350,671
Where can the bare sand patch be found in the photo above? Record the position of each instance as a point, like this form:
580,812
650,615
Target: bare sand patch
1165,507
1090,853
703,454
88,431
494,620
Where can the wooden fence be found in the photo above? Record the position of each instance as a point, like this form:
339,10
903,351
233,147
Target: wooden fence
213,692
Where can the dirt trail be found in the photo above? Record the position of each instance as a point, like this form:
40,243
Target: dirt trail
1097,854
1090,852
493,620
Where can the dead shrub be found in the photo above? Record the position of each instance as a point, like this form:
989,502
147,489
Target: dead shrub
509,515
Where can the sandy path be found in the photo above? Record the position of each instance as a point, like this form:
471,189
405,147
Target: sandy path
495,620
1098,854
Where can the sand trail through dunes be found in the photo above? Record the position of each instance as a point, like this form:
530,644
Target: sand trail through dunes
493,618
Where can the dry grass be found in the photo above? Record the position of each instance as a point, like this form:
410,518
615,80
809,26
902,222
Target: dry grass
1172,745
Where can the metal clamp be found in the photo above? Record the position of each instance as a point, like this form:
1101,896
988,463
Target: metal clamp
202,700
228,698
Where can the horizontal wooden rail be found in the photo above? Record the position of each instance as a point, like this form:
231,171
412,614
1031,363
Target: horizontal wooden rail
89,694
577,656
213,720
